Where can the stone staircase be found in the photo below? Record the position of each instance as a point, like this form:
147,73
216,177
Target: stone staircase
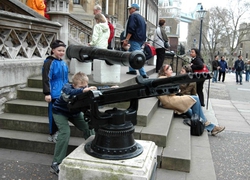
24,125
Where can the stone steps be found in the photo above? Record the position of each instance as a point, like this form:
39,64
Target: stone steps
31,123
24,125
177,153
33,142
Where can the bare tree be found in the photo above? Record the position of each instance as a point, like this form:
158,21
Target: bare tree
224,30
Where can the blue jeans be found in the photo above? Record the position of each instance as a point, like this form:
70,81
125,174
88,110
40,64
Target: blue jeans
238,74
247,76
196,109
134,45
215,72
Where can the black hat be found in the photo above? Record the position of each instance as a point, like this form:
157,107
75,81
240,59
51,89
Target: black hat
57,43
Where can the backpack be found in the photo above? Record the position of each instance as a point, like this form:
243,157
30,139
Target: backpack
148,51
196,125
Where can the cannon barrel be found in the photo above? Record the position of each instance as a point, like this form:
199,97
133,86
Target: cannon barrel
135,59
143,89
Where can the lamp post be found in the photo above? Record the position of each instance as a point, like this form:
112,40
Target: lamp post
201,14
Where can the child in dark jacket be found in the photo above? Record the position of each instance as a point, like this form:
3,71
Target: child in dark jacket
62,115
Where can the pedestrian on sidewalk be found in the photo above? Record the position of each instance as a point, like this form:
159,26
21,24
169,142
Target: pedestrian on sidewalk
62,116
223,68
247,69
54,76
239,67
215,68
189,105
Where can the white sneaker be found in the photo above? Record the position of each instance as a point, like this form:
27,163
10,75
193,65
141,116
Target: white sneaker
53,138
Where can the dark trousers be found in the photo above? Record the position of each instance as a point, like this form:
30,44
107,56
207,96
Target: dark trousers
160,52
199,89
223,76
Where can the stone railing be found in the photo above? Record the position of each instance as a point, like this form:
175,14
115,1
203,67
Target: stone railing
79,32
25,37
24,43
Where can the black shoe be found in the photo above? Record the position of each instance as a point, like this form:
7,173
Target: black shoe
132,72
203,105
54,168
144,76
240,83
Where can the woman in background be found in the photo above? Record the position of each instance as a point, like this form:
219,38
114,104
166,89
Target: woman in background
197,63
159,37
101,32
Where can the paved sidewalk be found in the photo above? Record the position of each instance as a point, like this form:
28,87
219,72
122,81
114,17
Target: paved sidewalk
230,149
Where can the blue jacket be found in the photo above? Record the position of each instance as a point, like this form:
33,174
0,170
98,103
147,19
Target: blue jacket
60,106
54,76
223,65
239,65
137,27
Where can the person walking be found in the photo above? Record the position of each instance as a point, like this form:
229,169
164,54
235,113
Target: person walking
54,76
223,68
247,69
197,63
135,34
159,36
215,68
239,67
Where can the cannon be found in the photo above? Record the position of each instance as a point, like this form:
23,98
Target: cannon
114,128
135,59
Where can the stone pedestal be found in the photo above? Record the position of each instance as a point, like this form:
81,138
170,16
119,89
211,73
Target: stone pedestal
152,61
81,166
76,66
104,73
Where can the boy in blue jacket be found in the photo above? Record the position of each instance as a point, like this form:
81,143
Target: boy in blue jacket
62,115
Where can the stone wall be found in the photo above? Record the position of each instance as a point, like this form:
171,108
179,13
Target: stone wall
14,75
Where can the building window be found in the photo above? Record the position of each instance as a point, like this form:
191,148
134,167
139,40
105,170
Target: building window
246,55
76,1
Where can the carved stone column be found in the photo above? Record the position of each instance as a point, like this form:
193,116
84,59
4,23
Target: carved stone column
59,12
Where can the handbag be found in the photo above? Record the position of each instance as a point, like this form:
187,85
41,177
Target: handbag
196,125
204,69
166,43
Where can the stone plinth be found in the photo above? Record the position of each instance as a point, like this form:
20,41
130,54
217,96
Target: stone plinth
81,166
104,73
152,61
76,66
